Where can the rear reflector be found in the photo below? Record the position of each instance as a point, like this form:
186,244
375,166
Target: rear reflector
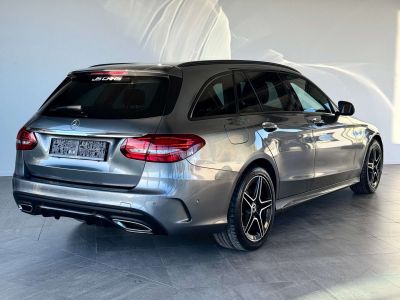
163,148
111,73
26,140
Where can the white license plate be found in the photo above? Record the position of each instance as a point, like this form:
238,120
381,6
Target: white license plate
79,149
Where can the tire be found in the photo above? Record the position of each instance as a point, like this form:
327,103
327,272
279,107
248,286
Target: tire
247,211
371,172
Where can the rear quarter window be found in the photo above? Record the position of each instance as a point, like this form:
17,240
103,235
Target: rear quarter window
217,98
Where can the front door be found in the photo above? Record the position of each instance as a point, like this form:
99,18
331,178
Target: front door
280,123
332,135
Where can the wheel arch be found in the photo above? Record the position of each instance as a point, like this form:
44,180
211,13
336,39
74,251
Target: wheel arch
364,186
375,137
230,238
264,162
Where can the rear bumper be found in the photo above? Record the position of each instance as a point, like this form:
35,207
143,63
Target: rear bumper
166,205
92,214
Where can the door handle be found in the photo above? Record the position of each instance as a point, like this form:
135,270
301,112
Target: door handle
317,121
269,126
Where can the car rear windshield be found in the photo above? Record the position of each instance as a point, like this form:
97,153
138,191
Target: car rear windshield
91,97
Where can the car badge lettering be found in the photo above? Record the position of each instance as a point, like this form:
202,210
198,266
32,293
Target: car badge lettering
107,78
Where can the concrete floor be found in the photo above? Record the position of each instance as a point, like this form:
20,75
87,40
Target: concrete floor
339,246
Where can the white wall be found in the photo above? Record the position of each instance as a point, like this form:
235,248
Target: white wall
347,47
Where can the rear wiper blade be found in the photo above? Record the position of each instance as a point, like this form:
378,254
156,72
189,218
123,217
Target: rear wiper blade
73,109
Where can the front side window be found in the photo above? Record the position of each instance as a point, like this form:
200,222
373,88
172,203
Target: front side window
272,92
216,99
247,99
312,99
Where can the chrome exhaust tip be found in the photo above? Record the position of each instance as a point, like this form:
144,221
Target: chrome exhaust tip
132,226
25,207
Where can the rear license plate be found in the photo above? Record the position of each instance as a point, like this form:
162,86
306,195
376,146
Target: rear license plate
80,149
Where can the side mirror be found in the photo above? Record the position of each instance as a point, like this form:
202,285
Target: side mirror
345,108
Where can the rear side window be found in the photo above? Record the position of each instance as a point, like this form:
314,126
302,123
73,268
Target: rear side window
216,99
272,93
130,98
247,99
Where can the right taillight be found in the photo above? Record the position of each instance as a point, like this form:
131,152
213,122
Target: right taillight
26,140
164,148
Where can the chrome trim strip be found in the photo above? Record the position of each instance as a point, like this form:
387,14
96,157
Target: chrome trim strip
83,134
21,207
121,224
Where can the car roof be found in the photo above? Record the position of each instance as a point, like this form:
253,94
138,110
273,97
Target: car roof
234,63
174,67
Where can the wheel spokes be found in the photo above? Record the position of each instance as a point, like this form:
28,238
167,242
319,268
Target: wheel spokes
378,158
260,225
247,199
374,155
249,224
266,204
256,208
374,166
258,188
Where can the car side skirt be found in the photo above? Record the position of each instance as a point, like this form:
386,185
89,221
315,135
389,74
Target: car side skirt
285,203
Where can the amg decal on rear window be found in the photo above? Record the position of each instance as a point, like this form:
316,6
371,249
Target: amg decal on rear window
108,78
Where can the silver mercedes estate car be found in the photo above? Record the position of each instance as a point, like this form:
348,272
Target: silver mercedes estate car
218,146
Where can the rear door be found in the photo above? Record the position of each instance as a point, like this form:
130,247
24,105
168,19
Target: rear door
284,131
335,150
215,117
217,108
82,126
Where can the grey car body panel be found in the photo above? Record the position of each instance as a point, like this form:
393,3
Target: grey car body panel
307,160
116,170
293,150
162,192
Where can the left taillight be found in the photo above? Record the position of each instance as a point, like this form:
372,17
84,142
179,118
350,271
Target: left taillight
164,148
26,140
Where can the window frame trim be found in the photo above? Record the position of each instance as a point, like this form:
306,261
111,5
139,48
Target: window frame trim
263,112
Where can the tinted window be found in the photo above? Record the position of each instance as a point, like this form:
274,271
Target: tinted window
247,99
216,99
310,96
133,98
272,92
